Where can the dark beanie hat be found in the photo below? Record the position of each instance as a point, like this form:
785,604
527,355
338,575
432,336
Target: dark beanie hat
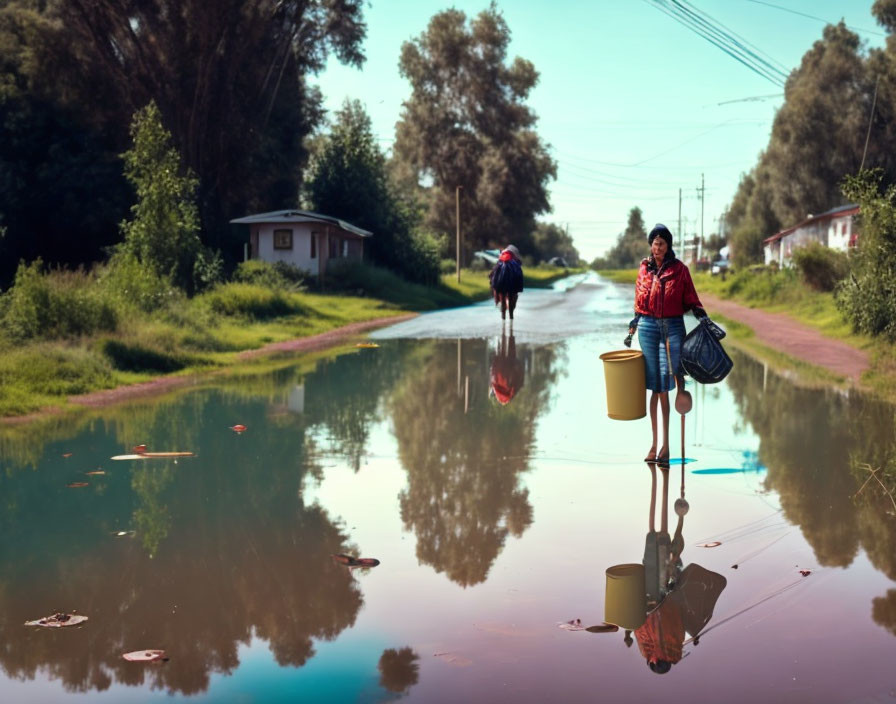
660,230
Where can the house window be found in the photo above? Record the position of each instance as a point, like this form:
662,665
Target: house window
282,239
314,245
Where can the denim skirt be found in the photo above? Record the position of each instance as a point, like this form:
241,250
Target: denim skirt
652,333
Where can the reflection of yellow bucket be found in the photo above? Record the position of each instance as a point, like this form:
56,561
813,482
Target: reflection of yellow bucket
625,604
626,386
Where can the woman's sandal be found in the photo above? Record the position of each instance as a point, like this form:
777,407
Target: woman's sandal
651,456
663,456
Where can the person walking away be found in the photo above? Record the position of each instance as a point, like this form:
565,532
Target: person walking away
664,292
506,280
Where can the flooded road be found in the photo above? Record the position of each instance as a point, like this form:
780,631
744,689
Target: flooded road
484,475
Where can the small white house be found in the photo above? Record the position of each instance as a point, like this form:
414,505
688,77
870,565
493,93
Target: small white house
835,228
306,240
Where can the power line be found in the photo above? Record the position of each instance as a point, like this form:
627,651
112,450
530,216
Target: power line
813,17
717,34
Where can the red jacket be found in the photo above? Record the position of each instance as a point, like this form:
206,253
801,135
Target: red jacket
666,293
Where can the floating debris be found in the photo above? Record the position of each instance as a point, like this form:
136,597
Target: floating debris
711,544
805,573
367,345
154,455
238,428
574,625
139,448
77,485
603,628
58,620
453,659
95,472
350,561
66,454
123,533
146,656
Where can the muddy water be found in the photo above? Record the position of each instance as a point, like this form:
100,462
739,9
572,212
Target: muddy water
486,478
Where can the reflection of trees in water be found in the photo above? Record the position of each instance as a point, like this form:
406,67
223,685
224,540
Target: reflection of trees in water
358,381
883,611
812,442
463,494
225,548
399,670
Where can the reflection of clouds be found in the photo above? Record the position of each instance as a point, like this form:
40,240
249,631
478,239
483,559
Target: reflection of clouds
399,670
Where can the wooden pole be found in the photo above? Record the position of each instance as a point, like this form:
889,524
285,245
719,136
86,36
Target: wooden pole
457,208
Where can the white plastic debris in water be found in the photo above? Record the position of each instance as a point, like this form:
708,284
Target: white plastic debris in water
58,620
149,655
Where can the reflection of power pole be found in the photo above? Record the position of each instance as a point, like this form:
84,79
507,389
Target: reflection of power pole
457,207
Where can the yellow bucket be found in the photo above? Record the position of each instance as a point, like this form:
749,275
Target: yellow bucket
626,384
625,603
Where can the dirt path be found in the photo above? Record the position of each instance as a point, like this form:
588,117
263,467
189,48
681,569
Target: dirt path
783,333
303,344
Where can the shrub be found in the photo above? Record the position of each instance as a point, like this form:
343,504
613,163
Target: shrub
821,267
132,284
868,295
251,301
139,358
55,305
279,275
448,266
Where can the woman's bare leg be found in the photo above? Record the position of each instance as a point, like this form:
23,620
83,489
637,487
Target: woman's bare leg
654,398
664,408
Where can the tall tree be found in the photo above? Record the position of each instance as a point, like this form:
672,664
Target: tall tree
631,244
550,240
228,77
347,178
466,124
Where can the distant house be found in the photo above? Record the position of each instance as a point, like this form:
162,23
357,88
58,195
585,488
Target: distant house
306,240
835,228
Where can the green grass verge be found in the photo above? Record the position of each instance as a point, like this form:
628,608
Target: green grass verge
474,285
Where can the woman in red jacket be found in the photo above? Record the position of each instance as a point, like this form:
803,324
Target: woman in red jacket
664,292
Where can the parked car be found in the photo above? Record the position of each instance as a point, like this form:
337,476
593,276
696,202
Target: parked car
558,261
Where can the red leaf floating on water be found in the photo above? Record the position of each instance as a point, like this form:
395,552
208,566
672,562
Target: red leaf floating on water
58,620
238,428
139,448
711,544
350,561
805,573
66,454
145,656
76,485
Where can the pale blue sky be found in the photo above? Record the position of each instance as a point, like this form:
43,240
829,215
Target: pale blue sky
628,99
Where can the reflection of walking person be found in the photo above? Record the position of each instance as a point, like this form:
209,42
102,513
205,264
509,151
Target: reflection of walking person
506,280
664,292
686,597
506,374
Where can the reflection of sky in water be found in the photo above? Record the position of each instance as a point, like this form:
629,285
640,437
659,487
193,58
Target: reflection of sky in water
577,473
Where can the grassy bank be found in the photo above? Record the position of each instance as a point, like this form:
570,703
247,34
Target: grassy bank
70,333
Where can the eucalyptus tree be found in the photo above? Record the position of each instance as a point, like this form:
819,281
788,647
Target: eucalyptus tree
466,125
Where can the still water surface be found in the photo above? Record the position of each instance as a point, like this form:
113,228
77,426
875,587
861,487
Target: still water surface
494,524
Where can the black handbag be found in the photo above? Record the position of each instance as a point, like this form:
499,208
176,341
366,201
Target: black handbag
702,356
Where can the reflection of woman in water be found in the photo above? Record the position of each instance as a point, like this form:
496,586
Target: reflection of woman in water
506,374
686,596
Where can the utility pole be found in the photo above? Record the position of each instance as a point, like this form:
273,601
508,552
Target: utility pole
680,233
702,190
457,208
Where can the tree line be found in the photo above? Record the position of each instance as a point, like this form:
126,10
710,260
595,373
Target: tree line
230,80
